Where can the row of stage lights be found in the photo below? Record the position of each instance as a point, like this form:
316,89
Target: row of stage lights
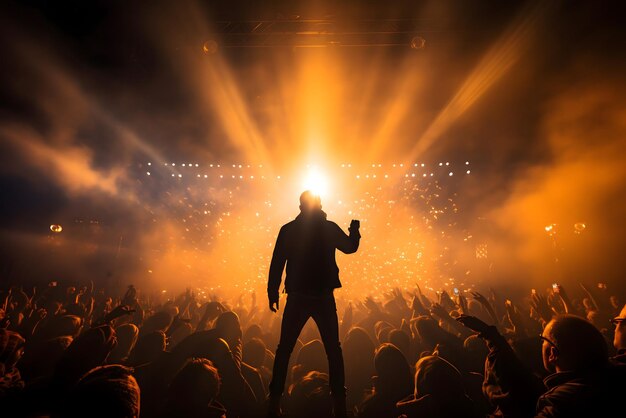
221,176
191,165
358,176
402,165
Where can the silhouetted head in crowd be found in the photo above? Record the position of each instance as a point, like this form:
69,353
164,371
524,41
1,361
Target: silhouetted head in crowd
160,321
476,352
475,308
309,397
148,348
126,339
253,331
104,392
571,343
599,319
382,330
42,356
401,340
228,326
358,343
195,386
58,326
254,352
358,351
171,308
206,345
312,357
178,332
437,377
310,202
393,373
430,332
88,350
439,392
130,298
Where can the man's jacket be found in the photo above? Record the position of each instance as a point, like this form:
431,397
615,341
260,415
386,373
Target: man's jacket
307,245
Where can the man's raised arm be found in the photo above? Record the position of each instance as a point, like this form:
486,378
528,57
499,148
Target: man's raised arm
348,244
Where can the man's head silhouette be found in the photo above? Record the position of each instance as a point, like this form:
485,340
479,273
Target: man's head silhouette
310,202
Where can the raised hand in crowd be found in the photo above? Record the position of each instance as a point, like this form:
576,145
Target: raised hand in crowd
541,307
489,308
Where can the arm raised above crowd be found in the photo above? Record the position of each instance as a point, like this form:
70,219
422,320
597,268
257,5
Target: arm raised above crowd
507,384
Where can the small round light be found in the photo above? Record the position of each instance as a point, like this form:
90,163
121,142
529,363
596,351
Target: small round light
417,42
210,47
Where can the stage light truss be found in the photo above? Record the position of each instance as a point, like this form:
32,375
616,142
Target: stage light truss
321,33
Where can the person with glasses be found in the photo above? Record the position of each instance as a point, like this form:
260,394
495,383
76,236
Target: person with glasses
582,383
619,338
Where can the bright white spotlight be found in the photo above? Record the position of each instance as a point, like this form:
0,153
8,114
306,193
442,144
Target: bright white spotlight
316,182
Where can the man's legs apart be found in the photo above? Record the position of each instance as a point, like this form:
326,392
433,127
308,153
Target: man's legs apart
325,317
294,317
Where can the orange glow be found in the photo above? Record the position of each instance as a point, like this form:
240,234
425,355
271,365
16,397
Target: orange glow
382,128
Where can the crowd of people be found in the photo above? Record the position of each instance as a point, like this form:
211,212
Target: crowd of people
68,350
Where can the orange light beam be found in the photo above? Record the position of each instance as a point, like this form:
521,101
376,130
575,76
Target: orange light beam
500,58
223,93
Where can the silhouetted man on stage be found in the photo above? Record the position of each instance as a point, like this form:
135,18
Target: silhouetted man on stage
307,245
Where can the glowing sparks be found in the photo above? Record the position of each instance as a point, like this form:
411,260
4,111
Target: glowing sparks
551,230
